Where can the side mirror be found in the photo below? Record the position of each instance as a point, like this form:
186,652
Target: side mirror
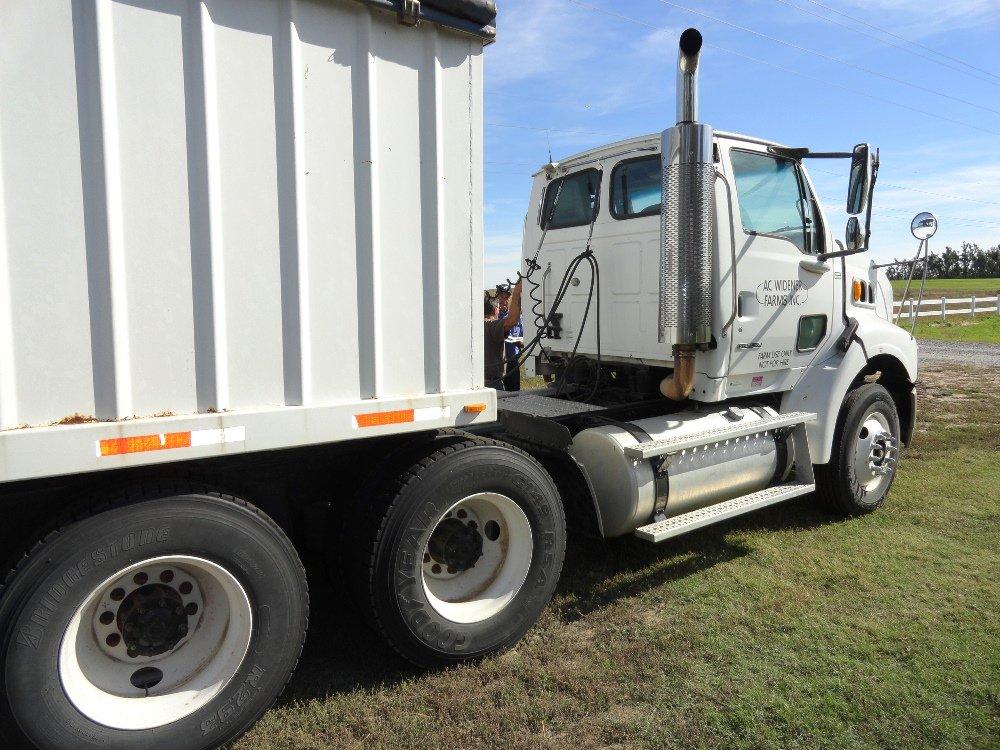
861,179
853,238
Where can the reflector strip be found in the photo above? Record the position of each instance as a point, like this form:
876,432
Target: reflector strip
401,416
169,440
379,418
475,408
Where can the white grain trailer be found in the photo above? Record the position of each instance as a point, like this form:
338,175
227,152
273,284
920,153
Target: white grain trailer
228,228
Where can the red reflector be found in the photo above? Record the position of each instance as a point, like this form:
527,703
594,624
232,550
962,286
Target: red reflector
378,418
142,443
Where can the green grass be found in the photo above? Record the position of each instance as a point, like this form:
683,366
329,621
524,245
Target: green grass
787,628
936,288
983,328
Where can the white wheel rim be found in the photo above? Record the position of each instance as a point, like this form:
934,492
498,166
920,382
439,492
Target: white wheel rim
875,451
196,650
492,581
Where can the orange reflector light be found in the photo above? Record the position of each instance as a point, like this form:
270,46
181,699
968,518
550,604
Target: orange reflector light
379,418
858,289
475,408
143,443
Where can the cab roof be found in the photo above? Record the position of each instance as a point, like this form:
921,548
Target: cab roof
650,142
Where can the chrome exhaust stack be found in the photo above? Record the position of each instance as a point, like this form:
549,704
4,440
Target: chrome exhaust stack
687,222
687,216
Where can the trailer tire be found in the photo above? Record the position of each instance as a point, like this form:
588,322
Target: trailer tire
198,591
863,460
471,497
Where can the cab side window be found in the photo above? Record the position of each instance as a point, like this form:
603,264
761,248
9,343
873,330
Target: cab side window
636,188
577,203
775,199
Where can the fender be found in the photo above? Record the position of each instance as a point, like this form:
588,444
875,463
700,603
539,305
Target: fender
823,387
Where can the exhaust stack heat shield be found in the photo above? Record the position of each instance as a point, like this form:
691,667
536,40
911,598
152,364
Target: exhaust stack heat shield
687,215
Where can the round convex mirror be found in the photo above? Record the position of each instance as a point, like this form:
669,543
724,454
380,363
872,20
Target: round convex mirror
924,225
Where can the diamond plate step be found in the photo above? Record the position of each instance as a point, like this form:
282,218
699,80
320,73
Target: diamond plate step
653,448
695,519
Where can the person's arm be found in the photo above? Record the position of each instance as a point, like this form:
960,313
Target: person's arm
513,308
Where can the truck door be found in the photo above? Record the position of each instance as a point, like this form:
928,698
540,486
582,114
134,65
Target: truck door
784,295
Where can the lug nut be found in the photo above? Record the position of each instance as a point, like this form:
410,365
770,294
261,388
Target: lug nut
191,608
167,576
107,618
113,640
140,579
185,587
117,595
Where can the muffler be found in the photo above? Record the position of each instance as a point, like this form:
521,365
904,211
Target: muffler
687,222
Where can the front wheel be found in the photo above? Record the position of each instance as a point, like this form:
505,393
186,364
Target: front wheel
461,553
865,453
167,622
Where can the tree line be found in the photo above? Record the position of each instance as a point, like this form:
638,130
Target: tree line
971,262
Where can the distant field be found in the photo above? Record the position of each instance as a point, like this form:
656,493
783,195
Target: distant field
983,328
936,288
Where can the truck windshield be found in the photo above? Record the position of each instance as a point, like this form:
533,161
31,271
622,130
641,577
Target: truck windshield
770,195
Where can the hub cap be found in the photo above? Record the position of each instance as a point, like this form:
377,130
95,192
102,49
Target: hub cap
875,452
155,642
476,557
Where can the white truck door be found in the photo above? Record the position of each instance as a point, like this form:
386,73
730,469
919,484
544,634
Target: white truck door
785,296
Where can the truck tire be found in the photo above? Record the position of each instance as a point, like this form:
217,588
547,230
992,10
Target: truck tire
164,621
865,453
460,553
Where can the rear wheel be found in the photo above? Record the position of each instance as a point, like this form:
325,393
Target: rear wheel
170,622
865,453
462,552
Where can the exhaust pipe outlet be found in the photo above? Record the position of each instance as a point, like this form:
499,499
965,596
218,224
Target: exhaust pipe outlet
687,223
687,75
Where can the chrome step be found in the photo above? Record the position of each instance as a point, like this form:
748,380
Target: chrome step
695,519
665,446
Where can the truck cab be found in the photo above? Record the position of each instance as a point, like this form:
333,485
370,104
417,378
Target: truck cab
779,309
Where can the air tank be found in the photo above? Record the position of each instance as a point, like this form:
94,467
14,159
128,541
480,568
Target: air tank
628,491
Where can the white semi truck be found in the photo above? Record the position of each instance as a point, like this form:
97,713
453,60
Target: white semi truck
240,274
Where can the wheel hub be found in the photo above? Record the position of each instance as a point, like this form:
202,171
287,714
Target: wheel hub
876,451
476,557
456,545
147,614
152,620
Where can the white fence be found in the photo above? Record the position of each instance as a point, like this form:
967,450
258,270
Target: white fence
944,307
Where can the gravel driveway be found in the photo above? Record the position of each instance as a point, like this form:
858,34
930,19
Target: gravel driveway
960,352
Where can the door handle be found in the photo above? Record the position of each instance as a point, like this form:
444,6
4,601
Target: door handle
814,266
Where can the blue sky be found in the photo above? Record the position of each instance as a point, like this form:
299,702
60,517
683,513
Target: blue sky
596,71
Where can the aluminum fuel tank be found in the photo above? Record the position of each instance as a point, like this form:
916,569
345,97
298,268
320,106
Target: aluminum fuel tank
627,490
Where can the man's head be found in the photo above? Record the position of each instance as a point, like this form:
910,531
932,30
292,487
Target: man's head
490,307
503,297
